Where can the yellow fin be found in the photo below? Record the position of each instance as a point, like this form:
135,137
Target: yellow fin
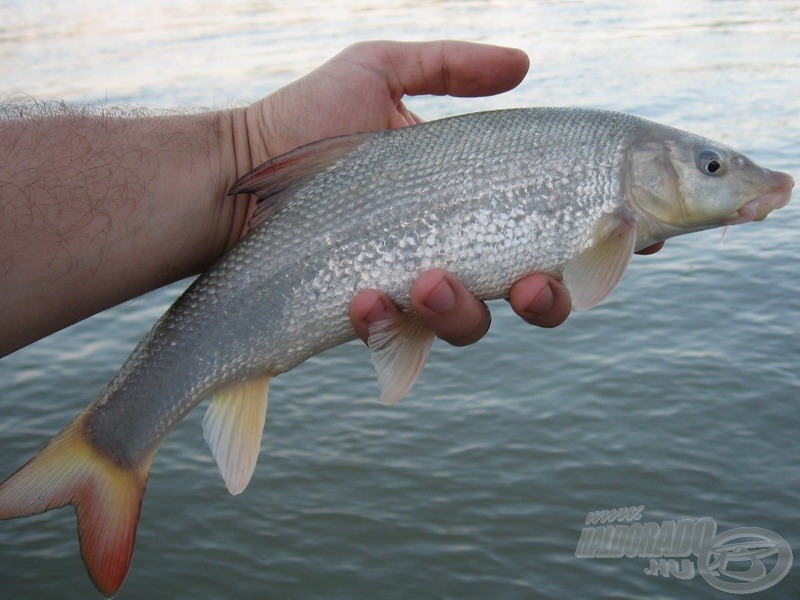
594,273
107,499
233,426
399,347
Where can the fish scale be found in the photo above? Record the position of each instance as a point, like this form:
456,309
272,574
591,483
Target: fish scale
490,197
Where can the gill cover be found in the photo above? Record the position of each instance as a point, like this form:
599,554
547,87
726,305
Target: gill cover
653,183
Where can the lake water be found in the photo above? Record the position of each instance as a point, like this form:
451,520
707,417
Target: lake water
679,393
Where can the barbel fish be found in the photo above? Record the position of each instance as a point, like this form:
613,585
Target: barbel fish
489,196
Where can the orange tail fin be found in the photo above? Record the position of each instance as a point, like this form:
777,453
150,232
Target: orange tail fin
107,499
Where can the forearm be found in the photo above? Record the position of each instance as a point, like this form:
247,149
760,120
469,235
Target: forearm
98,209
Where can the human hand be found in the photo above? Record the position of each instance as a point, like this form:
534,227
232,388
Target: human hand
362,89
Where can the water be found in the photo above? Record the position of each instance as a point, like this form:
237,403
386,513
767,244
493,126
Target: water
679,393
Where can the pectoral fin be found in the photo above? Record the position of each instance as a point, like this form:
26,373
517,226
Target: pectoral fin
594,273
233,426
399,347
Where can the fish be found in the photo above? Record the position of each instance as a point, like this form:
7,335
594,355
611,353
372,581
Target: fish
489,196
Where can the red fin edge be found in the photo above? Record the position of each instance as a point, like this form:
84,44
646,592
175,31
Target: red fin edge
107,499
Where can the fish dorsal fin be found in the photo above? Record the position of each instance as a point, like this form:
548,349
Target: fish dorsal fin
269,179
233,426
594,273
399,347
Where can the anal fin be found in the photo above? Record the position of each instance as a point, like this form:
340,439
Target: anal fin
233,426
399,347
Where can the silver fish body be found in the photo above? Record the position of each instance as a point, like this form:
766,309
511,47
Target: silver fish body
489,197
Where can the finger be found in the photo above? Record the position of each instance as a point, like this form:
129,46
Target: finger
406,116
541,300
369,307
449,309
651,249
455,68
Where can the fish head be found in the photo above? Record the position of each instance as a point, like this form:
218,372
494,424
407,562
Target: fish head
684,182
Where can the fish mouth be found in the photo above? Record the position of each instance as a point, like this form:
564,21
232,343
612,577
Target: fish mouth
758,208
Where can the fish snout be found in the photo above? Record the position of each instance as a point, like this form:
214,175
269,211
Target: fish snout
777,196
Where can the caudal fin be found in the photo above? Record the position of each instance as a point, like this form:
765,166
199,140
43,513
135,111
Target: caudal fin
107,499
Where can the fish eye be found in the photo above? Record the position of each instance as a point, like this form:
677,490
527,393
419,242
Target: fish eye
710,163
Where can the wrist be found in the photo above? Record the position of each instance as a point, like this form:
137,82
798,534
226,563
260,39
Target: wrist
243,136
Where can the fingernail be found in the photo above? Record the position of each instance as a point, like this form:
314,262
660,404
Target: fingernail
543,302
442,298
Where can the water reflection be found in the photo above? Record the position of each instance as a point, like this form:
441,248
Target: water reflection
477,485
